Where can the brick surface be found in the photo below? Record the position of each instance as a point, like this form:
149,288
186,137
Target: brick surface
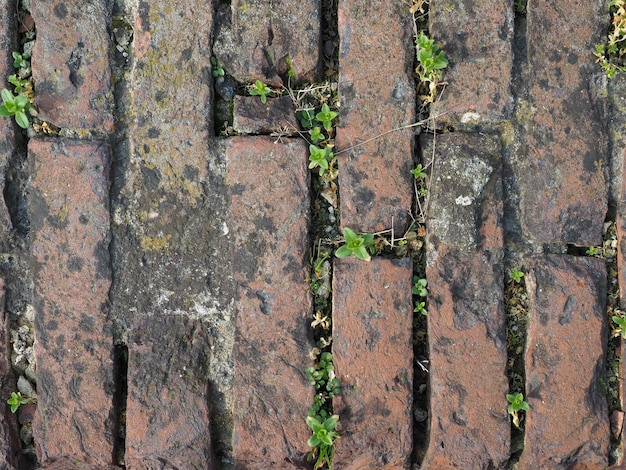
251,116
273,308
565,363
561,179
470,426
70,229
373,357
465,210
7,127
167,417
477,40
254,38
375,185
70,63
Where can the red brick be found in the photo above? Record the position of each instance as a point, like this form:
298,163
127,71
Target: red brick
70,64
251,116
470,426
565,362
375,183
70,230
476,38
254,38
273,308
167,417
373,357
563,191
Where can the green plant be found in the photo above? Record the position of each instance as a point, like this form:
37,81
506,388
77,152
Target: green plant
20,61
418,173
18,83
316,134
322,375
306,117
17,400
419,287
520,6
15,106
326,116
620,321
291,74
611,55
516,275
420,307
593,251
431,61
260,89
323,439
516,404
319,158
356,245
218,71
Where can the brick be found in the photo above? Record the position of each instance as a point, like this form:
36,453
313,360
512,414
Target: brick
70,64
375,183
565,361
373,356
470,426
562,186
70,232
252,40
251,116
167,417
477,40
465,210
273,308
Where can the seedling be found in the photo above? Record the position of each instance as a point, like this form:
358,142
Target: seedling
316,134
418,173
420,307
218,71
17,400
260,89
516,404
611,55
20,61
621,326
520,6
15,106
306,117
593,251
319,158
356,245
419,287
322,375
322,440
326,117
18,83
431,63
516,275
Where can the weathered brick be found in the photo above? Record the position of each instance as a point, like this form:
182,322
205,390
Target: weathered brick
167,417
561,178
565,364
251,116
70,231
470,426
254,39
476,38
70,63
465,210
273,308
373,357
375,183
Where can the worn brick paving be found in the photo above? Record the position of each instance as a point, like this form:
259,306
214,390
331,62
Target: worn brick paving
190,252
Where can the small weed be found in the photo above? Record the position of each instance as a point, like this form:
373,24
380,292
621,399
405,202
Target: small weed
260,89
320,158
17,400
15,106
326,117
291,74
620,321
516,404
419,287
611,55
218,71
420,307
431,63
516,275
306,117
316,134
520,6
322,440
322,375
418,173
356,245
20,61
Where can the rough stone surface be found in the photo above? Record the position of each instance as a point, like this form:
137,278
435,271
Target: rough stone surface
470,426
273,308
373,357
70,230
476,38
7,126
565,364
254,38
70,63
251,116
465,210
562,175
377,94
167,418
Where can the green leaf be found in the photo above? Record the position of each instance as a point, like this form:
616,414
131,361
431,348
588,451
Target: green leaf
361,253
343,252
22,119
7,96
314,441
4,111
349,235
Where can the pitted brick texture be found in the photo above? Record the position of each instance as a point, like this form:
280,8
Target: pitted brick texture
373,357
73,345
273,307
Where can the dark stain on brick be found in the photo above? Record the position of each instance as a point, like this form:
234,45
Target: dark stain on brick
238,189
38,210
572,58
86,323
52,325
60,10
267,301
154,133
73,386
571,304
83,219
265,223
159,96
589,161
75,264
151,177
103,261
365,197
74,64
190,172
144,15
185,56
